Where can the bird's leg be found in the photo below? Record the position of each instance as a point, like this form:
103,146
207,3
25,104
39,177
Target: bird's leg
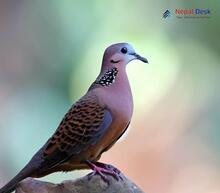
109,167
101,169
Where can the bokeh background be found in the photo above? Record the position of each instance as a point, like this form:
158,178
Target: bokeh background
50,52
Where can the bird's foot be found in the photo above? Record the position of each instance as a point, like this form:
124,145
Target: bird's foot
101,169
110,168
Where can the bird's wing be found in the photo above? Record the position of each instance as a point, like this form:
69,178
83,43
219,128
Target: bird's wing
83,125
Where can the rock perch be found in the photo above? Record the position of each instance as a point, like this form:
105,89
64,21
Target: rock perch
80,185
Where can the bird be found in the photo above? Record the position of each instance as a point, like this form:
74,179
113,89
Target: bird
92,125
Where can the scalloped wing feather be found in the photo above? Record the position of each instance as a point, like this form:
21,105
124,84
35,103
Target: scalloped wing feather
84,124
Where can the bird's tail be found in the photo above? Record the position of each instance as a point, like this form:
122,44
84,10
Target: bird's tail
27,171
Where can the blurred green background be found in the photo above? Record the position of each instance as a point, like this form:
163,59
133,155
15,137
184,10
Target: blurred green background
51,51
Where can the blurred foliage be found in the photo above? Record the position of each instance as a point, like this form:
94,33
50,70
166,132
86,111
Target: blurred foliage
51,51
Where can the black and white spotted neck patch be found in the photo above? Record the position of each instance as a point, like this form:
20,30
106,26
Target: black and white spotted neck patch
108,77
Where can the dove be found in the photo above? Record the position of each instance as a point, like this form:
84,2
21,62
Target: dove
91,126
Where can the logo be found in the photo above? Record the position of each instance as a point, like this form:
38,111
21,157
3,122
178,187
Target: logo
188,13
166,14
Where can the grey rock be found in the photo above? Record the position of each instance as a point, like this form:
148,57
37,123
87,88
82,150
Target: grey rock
80,185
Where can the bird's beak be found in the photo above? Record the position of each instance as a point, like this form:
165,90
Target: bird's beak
138,57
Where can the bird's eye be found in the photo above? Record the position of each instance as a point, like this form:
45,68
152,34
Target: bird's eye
124,50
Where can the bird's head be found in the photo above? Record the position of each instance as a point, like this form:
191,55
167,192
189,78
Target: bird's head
121,54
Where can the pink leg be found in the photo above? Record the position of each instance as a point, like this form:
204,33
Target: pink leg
101,169
109,167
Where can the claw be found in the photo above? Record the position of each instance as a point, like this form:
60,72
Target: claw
101,169
99,173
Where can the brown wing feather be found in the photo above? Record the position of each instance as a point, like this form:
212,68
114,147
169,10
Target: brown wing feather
83,125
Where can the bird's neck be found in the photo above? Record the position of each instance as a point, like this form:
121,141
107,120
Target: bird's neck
115,79
120,94
121,81
112,77
117,93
